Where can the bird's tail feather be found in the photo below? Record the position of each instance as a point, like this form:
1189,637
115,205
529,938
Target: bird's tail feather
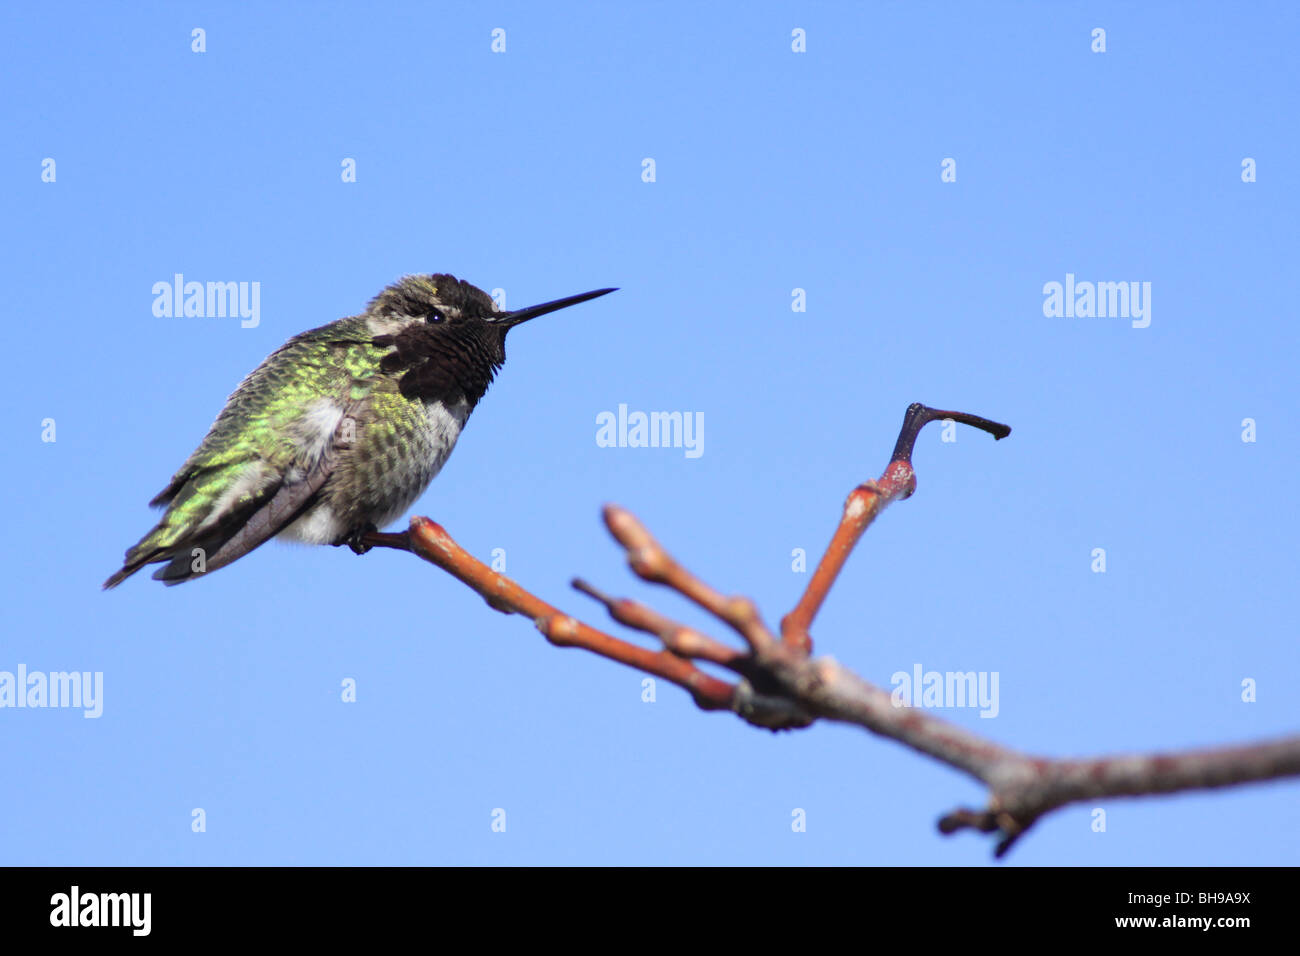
241,533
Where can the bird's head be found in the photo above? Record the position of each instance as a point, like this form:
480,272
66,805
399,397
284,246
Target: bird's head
448,335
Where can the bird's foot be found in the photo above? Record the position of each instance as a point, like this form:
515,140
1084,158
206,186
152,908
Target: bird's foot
355,542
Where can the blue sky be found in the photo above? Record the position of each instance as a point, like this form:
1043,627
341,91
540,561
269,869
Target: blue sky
774,171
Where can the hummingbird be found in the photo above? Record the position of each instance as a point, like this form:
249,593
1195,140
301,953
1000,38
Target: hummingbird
338,431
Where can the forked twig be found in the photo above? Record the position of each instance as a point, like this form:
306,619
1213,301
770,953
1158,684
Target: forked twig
780,686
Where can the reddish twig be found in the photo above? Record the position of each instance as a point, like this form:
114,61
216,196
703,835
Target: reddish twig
652,563
860,509
681,640
430,541
781,686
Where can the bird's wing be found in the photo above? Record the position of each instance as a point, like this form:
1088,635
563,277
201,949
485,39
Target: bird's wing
258,417
265,458
257,504
267,515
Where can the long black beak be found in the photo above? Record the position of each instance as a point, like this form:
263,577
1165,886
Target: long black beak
511,319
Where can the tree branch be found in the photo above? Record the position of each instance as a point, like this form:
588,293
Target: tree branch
780,686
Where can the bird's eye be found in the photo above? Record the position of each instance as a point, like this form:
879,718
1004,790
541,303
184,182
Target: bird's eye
435,317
